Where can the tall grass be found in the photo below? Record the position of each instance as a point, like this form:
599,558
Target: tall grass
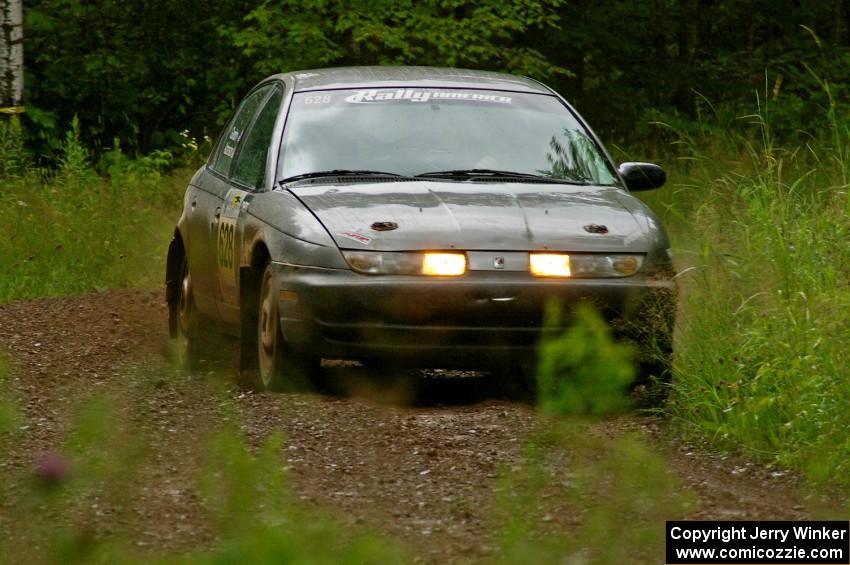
761,233
73,230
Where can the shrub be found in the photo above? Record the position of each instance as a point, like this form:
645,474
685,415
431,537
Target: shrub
583,371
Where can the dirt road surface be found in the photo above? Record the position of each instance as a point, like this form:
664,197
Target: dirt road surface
419,467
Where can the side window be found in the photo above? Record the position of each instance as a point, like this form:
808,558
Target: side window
235,130
251,160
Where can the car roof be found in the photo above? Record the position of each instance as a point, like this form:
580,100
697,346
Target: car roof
389,76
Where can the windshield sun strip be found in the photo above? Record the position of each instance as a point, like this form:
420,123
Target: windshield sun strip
606,158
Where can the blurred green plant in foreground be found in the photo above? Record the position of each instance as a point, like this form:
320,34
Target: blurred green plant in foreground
611,493
579,496
76,503
568,496
583,371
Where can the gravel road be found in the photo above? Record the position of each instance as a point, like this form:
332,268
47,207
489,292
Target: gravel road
418,464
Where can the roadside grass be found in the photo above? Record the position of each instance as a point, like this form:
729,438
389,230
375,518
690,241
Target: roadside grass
73,230
761,232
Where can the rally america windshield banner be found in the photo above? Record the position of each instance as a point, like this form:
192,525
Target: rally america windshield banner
370,97
424,95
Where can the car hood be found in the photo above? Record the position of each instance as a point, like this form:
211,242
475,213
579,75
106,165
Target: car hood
480,216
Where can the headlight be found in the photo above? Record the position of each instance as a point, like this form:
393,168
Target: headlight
396,263
444,264
584,265
549,265
609,266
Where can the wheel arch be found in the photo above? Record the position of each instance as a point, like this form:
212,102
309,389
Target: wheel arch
259,256
250,274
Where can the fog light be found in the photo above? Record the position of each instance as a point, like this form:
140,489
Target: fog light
444,264
626,265
549,265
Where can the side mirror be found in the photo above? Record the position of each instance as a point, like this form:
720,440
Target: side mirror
642,176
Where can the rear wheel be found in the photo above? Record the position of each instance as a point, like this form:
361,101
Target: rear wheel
188,343
279,366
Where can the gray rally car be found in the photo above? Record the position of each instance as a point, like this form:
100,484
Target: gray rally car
408,213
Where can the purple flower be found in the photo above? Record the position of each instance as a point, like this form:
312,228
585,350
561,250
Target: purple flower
51,468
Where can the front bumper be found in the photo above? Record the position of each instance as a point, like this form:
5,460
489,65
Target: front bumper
478,318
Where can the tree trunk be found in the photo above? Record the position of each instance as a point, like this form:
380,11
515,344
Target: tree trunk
11,57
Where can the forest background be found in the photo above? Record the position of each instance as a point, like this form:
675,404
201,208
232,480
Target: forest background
146,75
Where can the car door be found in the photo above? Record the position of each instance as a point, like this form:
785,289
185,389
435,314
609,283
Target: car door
208,202
200,207
246,177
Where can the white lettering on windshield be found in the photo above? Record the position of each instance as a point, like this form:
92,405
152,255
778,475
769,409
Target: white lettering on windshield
413,95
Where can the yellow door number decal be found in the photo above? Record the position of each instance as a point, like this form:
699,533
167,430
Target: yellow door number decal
227,243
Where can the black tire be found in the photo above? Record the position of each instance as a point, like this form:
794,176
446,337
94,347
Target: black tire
279,366
188,343
651,334
652,385
516,379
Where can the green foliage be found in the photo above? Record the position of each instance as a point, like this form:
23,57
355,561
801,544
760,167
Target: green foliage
140,71
74,161
146,72
691,60
104,232
761,236
583,371
288,35
13,156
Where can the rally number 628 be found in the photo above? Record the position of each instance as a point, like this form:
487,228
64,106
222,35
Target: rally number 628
226,244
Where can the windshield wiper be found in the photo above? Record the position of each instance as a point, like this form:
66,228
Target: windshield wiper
338,173
495,173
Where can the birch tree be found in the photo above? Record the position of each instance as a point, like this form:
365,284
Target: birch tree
11,57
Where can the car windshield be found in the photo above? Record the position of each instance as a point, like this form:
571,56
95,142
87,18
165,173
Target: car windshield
415,131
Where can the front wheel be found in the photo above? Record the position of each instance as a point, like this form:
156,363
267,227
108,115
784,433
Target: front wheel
654,380
279,366
516,379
